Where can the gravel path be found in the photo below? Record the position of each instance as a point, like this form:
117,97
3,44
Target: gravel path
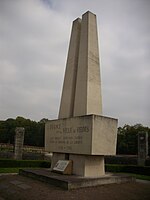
16,187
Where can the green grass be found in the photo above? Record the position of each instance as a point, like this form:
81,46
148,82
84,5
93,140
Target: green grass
9,170
133,169
141,177
13,170
7,163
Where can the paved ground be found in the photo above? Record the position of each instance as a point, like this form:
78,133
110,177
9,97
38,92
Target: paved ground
16,187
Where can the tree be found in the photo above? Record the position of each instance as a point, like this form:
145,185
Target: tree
127,140
34,131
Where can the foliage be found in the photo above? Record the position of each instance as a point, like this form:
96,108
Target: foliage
127,140
143,170
7,163
121,160
34,131
125,160
142,177
9,170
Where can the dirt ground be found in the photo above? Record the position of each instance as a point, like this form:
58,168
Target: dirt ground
16,187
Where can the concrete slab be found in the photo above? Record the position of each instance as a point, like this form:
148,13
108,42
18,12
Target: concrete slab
15,182
4,186
70,182
24,186
20,184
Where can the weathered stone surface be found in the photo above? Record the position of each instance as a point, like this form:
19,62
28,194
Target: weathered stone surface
82,134
19,139
70,182
90,134
88,165
81,94
142,147
69,86
88,98
64,167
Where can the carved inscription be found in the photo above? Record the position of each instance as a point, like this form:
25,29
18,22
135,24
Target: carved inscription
67,137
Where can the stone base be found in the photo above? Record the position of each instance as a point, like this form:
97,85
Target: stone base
87,166
83,165
70,182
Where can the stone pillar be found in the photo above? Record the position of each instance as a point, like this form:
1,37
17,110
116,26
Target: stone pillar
142,147
19,140
69,85
88,99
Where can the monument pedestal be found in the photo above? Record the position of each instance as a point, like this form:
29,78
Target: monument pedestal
83,165
84,140
87,166
70,182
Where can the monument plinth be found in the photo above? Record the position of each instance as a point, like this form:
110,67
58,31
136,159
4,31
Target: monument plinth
81,133
84,135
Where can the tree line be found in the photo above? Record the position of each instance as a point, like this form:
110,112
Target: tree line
34,131
127,137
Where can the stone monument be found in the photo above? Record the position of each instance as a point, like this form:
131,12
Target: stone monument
81,133
142,147
19,139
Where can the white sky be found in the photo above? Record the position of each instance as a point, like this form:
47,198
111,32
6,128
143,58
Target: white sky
34,39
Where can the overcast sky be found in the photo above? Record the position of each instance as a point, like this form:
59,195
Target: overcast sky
34,39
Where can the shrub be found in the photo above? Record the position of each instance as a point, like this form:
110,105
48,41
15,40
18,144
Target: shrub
121,160
143,170
124,160
7,163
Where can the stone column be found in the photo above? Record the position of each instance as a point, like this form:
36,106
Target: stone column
69,85
142,147
19,140
88,98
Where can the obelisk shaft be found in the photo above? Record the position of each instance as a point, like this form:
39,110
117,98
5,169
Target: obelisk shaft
69,86
81,93
88,98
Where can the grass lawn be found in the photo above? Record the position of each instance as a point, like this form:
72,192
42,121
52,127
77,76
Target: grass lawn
142,177
13,170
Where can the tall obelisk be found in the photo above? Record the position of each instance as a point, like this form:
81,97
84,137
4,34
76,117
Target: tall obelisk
69,86
68,93
81,94
88,98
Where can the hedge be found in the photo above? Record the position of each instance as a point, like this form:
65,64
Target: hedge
7,163
143,170
124,160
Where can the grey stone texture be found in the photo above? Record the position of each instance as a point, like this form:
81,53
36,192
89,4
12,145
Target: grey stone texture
142,147
19,140
84,136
